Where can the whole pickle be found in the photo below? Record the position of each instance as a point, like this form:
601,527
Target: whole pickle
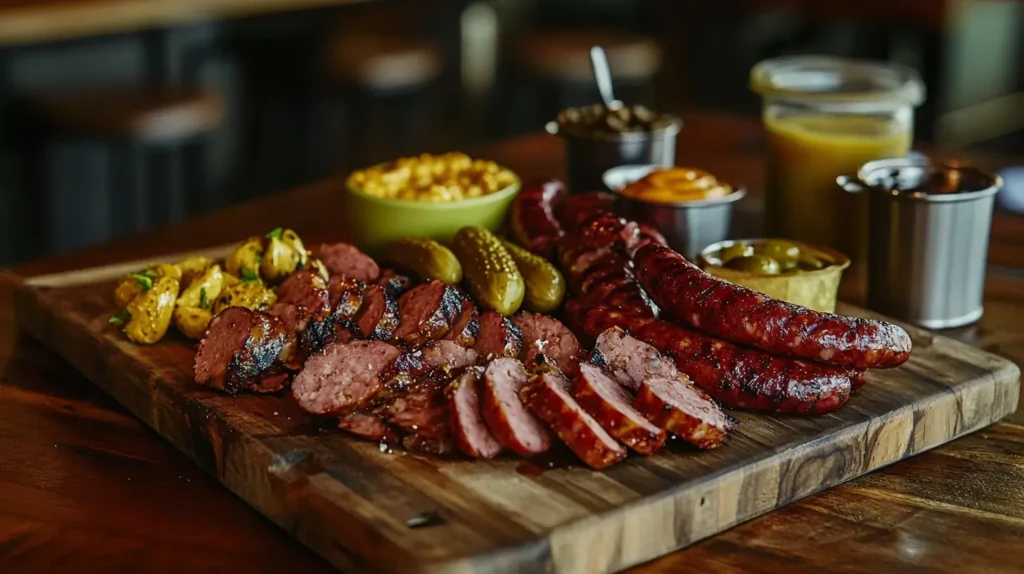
426,258
491,273
545,287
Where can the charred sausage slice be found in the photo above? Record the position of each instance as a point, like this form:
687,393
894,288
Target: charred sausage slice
548,336
343,376
578,208
237,349
378,316
420,408
683,410
630,360
394,283
466,327
465,414
427,313
515,427
497,337
532,222
347,259
746,317
547,395
447,356
428,445
368,426
611,405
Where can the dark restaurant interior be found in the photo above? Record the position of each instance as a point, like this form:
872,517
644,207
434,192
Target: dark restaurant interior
118,122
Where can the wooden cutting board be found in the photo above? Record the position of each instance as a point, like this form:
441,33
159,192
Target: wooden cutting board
364,507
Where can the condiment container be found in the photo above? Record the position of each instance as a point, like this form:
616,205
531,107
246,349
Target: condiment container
687,225
815,289
825,117
930,224
589,155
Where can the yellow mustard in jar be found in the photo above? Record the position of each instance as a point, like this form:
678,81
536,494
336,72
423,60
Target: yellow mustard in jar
677,184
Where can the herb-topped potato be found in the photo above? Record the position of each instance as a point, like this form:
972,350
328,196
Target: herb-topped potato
249,294
194,308
133,284
149,314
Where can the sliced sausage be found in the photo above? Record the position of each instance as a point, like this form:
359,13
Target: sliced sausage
548,336
305,289
447,356
466,327
345,296
343,376
427,312
497,337
611,405
531,218
547,395
578,208
515,427
394,283
465,415
368,426
290,317
746,317
630,360
378,315
421,408
683,410
238,347
347,259
272,380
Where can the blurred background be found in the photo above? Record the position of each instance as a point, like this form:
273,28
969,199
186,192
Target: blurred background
118,116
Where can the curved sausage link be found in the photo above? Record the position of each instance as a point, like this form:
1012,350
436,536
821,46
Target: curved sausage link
749,318
532,222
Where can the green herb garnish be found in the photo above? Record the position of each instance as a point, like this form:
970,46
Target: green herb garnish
145,281
120,318
248,275
258,258
275,233
150,273
203,302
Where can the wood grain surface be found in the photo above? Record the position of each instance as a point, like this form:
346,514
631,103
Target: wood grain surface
362,506
86,487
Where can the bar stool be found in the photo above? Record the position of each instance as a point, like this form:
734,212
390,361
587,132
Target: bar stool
556,65
122,160
383,76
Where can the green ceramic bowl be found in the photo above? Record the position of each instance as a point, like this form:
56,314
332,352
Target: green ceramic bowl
372,221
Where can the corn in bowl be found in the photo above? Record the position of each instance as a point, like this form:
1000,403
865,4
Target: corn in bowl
433,178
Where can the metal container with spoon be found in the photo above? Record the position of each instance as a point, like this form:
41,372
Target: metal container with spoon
929,224
590,153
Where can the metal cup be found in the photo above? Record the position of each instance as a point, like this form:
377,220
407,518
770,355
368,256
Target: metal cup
929,224
587,157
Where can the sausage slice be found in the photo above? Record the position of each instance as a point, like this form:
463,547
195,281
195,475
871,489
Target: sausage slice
683,410
343,376
498,337
368,426
237,349
427,313
630,360
394,283
547,395
465,415
511,423
447,356
612,406
347,259
548,336
378,316
466,327
420,408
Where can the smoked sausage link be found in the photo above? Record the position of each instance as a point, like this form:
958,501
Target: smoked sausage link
532,222
746,317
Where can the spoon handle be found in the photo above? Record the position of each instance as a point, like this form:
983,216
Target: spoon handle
603,75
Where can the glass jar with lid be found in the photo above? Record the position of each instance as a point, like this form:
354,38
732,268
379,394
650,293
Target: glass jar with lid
825,117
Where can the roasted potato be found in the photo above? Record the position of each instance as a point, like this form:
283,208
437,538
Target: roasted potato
250,295
151,311
193,310
283,253
293,240
193,267
244,262
192,321
318,266
134,284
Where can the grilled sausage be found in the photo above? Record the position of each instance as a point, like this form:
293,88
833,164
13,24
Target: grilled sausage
543,335
428,445
394,283
498,337
343,376
682,409
746,317
466,327
239,346
531,219
447,356
378,315
511,423
612,406
578,208
427,312
547,396
346,259
420,408
465,414
368,426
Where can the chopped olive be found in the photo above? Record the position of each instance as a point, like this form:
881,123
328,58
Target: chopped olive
777,249
759,264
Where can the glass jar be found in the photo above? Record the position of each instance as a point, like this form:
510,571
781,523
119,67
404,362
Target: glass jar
826,117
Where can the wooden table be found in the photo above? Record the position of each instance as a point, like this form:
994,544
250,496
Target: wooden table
28,21
85,485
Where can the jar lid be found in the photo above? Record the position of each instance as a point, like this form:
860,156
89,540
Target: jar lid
863,83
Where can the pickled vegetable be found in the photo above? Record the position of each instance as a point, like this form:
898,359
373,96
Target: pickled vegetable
150,313
491,273
545,286
736,250
426,258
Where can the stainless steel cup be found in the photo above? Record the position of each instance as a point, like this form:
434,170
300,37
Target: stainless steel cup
929,224
688,226
588,157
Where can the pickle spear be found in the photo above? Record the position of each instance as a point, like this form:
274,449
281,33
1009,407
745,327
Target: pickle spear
491,273
545,287
426,258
